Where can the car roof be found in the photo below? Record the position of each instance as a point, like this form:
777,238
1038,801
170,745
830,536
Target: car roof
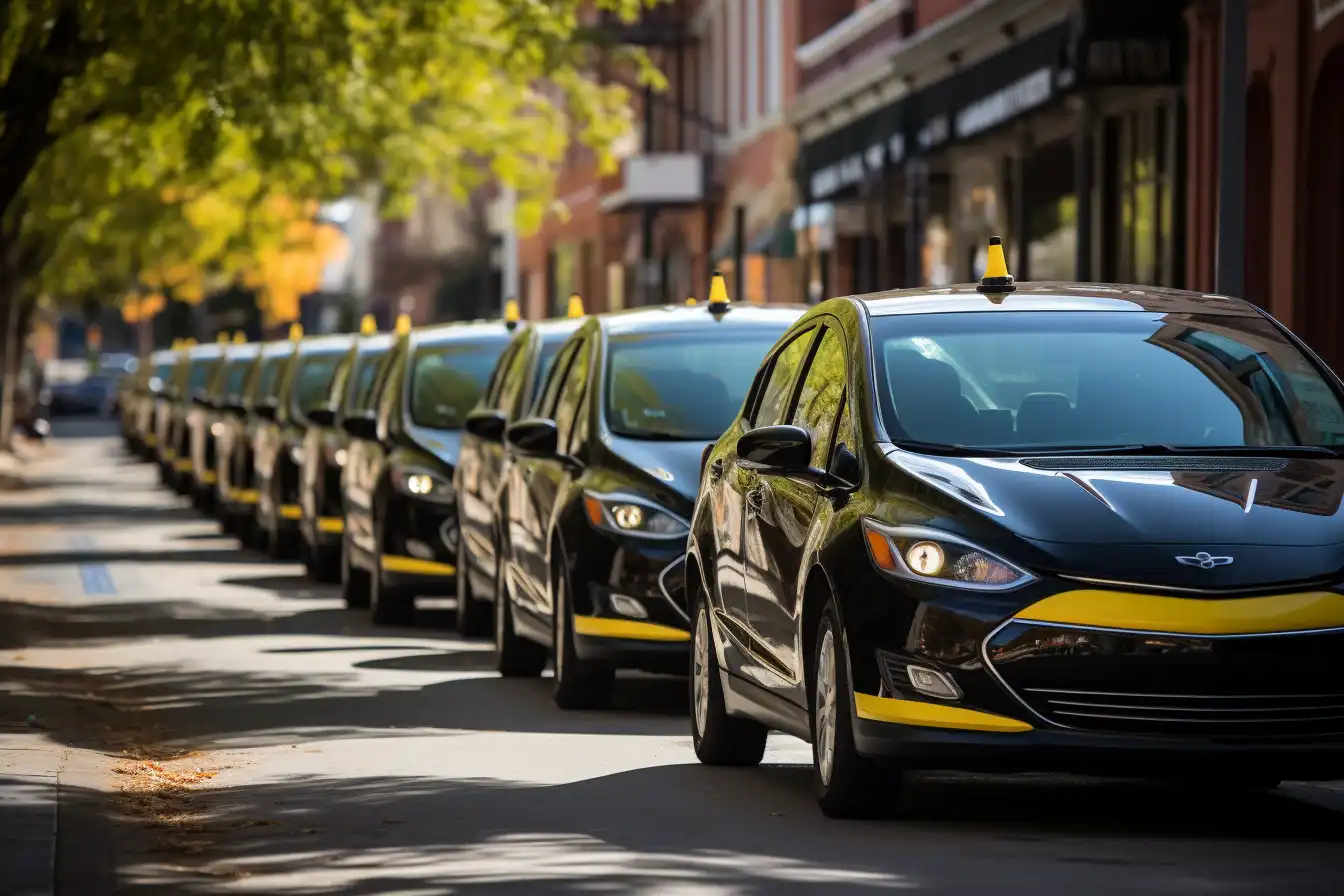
336,342
164,355
464,331
375,342
688,317
555,326
209,350
243,350
278,347
1053,296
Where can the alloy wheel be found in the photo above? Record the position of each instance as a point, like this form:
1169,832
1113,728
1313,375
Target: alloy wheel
826,707
700,671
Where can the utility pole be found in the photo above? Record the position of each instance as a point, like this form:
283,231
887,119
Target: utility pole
1231,251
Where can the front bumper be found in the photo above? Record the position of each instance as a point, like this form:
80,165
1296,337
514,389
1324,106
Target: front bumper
1132,684
420,548
632,612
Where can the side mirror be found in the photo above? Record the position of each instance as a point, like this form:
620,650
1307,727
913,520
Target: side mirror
321,416
202,401
487,424
534,437
265,411
776,450
845,468
361,427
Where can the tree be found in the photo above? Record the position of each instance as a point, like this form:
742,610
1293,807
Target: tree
293,98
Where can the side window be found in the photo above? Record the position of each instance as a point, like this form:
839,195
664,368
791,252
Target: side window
546,405
572,392
390,392
845,434
499,375
821,394
512,382
775,401
340,380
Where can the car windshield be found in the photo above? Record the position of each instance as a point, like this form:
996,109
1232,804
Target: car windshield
202,372
682,386
270,376
312,380
1069,380
366,369
447,381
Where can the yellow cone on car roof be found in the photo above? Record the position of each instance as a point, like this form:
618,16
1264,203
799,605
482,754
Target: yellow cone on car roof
690,300
575,305
997,280
222,337
718,293
511,314
403,324
295,332
239,338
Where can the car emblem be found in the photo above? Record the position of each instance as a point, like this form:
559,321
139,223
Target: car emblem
1204,560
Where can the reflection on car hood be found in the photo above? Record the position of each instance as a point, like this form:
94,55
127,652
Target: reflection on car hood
445,444
1261,501
671,466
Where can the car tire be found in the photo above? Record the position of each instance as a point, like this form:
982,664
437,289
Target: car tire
718,738
847,785
355,583
515,656
281,546
473,616
579,684
323,565
391,605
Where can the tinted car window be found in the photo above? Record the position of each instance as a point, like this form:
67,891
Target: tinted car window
447,382
312,381
681,385
1065,379
365,377
202,372
545,361
779,388
269,378
235,375
572,392
512,381
822,391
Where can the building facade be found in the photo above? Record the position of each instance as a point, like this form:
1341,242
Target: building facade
925,126
706,182
1294,176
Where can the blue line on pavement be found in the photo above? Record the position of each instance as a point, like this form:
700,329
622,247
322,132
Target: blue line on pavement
97,579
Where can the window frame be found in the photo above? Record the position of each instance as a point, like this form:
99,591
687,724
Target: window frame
768,371
827,326
559,370
565,429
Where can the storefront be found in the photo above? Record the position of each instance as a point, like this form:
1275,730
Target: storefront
1065,142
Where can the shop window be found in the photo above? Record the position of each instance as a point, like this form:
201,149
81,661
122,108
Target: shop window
1052,212
1144,211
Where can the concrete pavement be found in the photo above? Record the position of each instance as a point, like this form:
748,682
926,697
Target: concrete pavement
230,728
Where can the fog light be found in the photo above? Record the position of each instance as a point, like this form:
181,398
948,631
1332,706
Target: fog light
933,683
628,606
419,549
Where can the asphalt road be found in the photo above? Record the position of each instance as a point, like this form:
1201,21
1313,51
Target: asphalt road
228,727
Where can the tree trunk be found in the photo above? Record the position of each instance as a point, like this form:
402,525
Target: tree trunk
12,347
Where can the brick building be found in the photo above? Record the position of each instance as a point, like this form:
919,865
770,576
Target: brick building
1294,174
706,181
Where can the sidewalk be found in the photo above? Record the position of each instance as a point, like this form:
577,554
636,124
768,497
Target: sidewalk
29,784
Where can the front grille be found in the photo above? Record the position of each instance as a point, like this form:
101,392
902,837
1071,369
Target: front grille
1278,716
1200,464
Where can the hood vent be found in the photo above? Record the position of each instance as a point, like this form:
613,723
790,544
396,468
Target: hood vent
1197,464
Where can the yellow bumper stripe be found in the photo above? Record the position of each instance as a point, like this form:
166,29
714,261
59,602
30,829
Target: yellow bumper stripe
183,465
333,524
932,715
244,496
209,477
290,511
1307,611
169,455
150,439
603,627
416,566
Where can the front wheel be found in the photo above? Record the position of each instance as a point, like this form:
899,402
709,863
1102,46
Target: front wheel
579,684
719,739
847,785
391,604
515,657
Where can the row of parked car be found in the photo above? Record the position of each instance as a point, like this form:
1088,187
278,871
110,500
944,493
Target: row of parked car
988,527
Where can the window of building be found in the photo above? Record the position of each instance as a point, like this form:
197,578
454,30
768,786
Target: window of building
753,63
1142,218
774,56
1052,212
733,54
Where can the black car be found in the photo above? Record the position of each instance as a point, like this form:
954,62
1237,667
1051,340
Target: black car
325,447
237,493
600,486
278,442
481,464
401,538
206,418
1047,527
195,369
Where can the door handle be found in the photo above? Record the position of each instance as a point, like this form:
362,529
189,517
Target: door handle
716,470
755,499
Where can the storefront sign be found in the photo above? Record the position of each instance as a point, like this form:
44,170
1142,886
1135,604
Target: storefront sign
1135,61
1003,105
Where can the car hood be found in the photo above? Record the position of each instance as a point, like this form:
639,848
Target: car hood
445,444
1148,500
672,467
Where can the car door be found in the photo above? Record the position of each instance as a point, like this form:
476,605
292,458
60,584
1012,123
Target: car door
793,510
760,579
363,460
478,470
553,481
527,532
319,443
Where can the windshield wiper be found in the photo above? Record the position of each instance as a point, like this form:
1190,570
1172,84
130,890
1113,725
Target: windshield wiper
954,449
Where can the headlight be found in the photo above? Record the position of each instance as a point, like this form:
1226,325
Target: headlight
927,555
296,454
338,457
616,514
423,484
217,429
